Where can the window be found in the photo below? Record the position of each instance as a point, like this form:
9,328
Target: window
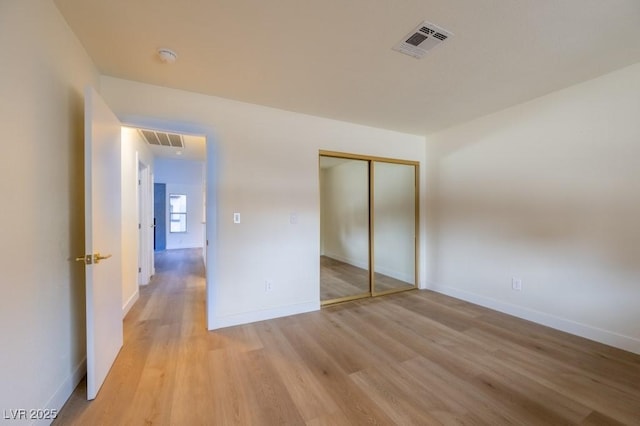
177,213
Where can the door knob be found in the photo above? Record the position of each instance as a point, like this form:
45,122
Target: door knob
89,259
98,257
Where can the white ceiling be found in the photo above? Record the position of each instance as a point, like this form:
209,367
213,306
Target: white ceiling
333,58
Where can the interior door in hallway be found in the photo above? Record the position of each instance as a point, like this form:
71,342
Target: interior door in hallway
102,257
160,216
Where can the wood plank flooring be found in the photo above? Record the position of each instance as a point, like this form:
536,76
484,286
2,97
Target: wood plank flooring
339,279
410,358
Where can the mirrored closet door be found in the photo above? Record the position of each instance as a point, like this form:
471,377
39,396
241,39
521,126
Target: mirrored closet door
344,228
368,223
394,226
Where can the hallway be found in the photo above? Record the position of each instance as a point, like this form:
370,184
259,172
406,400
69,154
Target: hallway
164,355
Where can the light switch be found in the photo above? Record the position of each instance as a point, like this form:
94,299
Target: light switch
236,218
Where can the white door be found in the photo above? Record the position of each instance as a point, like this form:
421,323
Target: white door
102,239
145,229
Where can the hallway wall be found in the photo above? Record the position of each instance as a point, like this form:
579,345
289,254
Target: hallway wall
134,149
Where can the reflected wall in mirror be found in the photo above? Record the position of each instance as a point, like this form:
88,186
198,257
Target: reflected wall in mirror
344,228
394,226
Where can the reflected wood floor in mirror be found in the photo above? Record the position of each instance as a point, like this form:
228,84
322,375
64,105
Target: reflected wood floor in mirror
339,279
416,357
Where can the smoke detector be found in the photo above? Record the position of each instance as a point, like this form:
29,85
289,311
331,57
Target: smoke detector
423,38
167,56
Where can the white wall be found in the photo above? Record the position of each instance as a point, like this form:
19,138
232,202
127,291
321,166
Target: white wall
42,318
548,192
184,177
265,166
134,150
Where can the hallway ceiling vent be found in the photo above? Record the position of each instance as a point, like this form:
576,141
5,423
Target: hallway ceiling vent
162,138
423,38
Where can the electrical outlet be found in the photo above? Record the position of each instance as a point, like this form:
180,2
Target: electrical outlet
268,286
516,284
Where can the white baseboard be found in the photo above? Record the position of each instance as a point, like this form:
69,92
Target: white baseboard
129,304
610,338
265,314
64,391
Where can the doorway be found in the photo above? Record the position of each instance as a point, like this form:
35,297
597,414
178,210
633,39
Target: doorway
368,226
208,156
145,226
159,216
154,164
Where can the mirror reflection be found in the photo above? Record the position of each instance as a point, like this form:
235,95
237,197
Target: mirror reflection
344,228
394,226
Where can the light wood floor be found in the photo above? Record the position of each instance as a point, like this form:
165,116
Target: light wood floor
410,358
339,279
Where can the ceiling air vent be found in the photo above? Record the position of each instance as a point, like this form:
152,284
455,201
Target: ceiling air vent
425,37
162,138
